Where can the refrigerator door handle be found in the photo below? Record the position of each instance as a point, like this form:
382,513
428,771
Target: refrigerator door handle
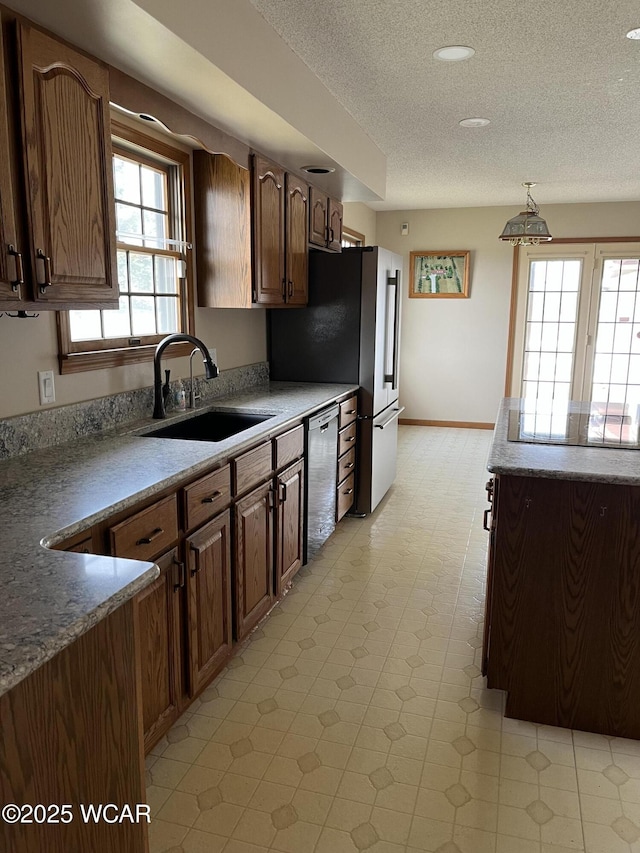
395,283
396,414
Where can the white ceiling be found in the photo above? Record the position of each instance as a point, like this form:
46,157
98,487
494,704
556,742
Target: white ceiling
354,83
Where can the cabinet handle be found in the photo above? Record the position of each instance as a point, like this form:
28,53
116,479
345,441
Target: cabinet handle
181,575
147,540
330,236
348,492
46,260
349,465
283,492
212,497
489,490
351,412
485,519
349,438
284,290
290,291
19,281
270,501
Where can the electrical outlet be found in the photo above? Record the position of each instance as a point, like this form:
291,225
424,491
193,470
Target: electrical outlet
47,387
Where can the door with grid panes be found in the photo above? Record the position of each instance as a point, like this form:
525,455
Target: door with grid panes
578,330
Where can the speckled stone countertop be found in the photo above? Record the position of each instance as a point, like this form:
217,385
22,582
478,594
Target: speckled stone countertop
560,462
49,597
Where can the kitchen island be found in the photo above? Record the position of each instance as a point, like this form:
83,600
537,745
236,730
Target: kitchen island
70,709
562,620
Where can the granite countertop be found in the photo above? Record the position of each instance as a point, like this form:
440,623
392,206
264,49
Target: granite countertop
560,462
49,597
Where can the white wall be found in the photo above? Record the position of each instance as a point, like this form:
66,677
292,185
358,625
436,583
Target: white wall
453,355
27,346
361,218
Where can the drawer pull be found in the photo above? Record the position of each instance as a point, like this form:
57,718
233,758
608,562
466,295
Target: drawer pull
485,520
147,540
348,492
351,412
212,497
350,438
350,465
181,575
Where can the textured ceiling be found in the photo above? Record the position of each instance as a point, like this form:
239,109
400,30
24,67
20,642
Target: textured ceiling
558,80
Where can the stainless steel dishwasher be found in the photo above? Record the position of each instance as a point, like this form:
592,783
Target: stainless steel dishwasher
321,460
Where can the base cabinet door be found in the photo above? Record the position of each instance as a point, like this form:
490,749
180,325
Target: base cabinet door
158,613
253,582
289,530
208,559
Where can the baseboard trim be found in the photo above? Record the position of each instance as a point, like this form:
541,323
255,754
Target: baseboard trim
454,424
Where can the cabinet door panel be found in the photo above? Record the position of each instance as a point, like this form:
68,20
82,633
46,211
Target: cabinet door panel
318,217
334,238
158,613
67,149
268,232
254,558
10,289
296,218
289,536
209,582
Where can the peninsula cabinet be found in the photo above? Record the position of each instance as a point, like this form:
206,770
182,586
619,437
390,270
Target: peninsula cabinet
280,216
325,221
562,630
58,240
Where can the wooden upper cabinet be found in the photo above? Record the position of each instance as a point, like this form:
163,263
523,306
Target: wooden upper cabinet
297,256
268,231
223,231
325,221
11,275
64,107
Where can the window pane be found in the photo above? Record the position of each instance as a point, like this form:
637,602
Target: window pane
155,225
167,314
85,325
166,275
144,318
141,272
117,324
129,221
571,276
123,276
153,188
126,177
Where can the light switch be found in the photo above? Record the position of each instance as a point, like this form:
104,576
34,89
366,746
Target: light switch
47,387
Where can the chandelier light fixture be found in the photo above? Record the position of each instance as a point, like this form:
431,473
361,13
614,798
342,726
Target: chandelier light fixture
527,228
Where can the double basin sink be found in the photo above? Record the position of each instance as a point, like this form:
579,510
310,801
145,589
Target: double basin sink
209,426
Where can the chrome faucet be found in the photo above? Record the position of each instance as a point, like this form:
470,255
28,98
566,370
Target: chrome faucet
193,397
210,369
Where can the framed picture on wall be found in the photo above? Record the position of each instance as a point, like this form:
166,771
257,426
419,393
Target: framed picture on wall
439,274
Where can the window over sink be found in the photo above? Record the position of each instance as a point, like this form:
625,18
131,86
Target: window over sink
151,183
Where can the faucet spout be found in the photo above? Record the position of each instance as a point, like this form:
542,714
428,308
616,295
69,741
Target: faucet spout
211,370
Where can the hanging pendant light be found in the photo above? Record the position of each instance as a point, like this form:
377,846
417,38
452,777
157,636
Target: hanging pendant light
527,228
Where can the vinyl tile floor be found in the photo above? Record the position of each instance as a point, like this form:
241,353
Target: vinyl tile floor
356,718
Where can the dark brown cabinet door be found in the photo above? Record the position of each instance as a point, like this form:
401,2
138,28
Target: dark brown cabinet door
268,232
158,614
318,217
289,537
296,215
69,185
334,237
208,554
11,287
253,583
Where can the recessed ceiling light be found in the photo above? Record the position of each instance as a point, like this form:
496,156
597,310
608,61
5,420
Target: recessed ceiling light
634,34
474,122
453,53
318,170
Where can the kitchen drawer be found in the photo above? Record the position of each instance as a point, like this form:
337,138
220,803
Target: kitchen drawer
346,464
346,438
346,494
207,497
348,411
288,447
147,533
252,468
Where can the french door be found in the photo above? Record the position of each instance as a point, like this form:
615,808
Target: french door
577,329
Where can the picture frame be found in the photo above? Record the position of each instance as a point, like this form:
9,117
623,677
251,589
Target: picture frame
439,274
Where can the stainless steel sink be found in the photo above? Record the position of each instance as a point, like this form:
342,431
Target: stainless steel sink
209,426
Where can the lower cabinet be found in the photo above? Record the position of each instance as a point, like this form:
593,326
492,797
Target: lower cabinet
289,524
208,564
158,613
254,558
